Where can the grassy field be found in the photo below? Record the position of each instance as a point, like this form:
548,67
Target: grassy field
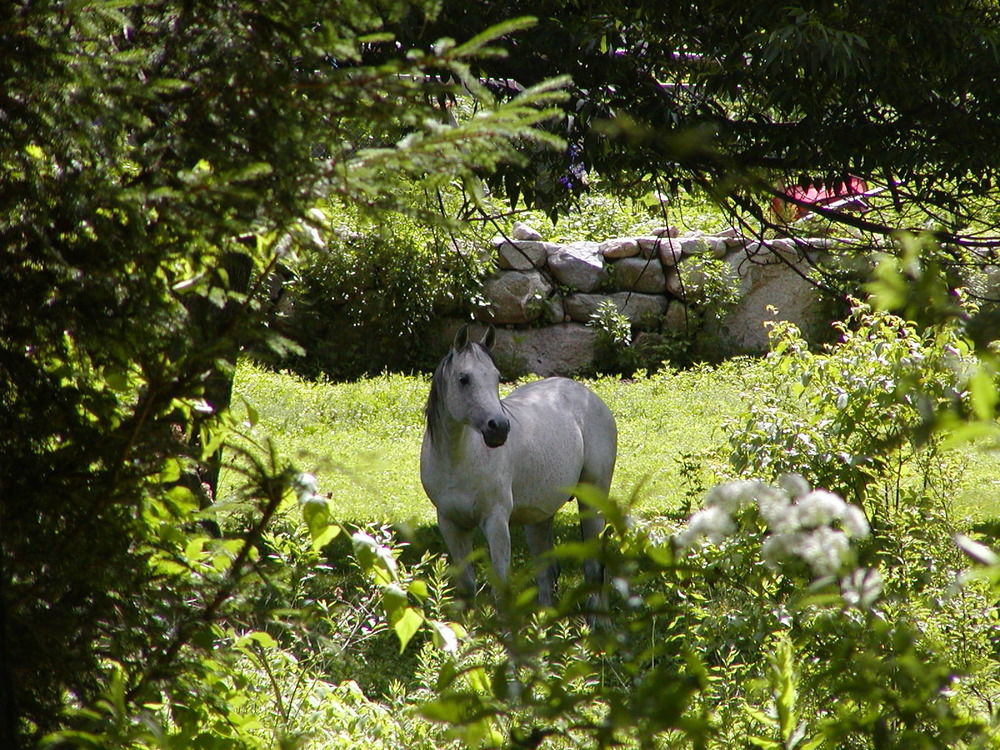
362,439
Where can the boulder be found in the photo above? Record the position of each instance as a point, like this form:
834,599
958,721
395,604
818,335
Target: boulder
579,265
642,310
675,287
651,246
769,291
620,247
522,231
523,255
554,310
639,275
564,349
677,319
786,248
671,253
665,232
707,245
515,297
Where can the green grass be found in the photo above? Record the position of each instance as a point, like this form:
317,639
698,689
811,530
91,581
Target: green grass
362,439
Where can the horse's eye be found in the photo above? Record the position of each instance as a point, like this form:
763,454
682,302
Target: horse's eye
464,379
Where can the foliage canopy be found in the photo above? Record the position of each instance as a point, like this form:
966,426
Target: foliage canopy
153,156
733,96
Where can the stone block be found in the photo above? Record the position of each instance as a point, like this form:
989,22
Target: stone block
639,275
769,290
650,247
666,232
579,265
515,297
523,255
643,310
522,231
620,247
707,245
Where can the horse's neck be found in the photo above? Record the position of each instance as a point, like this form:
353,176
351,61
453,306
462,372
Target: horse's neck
450,441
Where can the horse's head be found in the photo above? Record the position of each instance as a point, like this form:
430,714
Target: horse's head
466,386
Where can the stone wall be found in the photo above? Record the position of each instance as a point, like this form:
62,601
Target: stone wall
543,294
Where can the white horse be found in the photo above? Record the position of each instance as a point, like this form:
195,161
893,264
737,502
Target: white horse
490,463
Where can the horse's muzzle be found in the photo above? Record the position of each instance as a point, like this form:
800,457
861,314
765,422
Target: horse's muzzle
495,431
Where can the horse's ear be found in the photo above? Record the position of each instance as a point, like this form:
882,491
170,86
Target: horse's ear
461,338
489,338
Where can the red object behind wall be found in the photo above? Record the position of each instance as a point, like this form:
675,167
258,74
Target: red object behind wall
819,193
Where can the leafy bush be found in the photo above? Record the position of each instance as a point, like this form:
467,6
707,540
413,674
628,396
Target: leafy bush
857,419
739,626
614,335
362,303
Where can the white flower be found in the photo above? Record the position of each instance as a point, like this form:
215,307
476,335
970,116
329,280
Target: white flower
304,486
713,523
775,509
794,484
818,508
861,588
823,550
731,496
854,522
777,548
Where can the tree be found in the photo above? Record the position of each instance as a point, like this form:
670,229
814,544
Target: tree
148,152
732,97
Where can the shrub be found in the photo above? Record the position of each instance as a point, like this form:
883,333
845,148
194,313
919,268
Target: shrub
614,336
363,303
741,626
858,418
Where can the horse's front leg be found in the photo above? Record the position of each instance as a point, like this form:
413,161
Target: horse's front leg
496,529
540,541
459,542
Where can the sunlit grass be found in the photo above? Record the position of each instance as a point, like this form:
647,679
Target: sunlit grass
362,439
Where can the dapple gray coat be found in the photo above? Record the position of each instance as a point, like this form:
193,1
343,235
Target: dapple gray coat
488,463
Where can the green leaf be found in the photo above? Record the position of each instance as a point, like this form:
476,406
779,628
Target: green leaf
418,588
393,598
316,514
408,622
761,716
444,635
479,680
170,471
253,415
181,500
982,395
457,708
594,498
262,639
249,172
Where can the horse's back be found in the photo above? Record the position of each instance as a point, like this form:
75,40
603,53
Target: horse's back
562,434
560,399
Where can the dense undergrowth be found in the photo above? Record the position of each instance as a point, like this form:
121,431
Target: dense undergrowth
758,613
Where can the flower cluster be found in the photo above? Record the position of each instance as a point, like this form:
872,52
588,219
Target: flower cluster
305,486
814,526
310,501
